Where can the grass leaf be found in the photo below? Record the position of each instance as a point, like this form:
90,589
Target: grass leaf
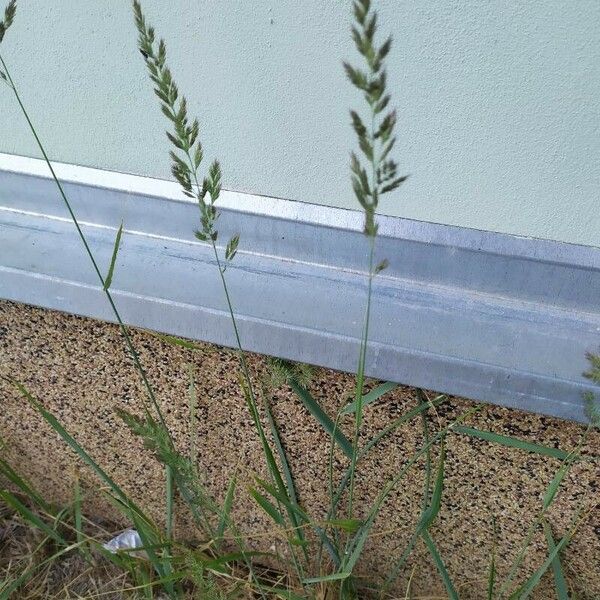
525,590
30,517
287,473
78,520
227,506
371,397
350,525
23,485
560,583
113,260
316,411
324,578
512,442
439,563
492,569
268,507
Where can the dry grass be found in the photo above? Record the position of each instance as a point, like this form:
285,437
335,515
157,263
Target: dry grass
70,575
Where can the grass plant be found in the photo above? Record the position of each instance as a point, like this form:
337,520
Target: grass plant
325,551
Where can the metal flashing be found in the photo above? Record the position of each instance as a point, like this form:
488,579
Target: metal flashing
489,316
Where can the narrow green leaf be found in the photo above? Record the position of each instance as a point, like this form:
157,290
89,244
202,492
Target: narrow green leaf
371,397
323,578
24,486
407,416
169,501
492,569
78,520
439,563
560,582
360,538
316,411
395,571
113,259
350,525
549,496
29,516
268,507
283,499
512,442
552,489
227,506
523,592
436,498
287,473
177,341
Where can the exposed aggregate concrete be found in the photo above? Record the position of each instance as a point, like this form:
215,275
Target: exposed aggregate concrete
80,370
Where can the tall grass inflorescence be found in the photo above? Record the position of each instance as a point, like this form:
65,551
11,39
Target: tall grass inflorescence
324,550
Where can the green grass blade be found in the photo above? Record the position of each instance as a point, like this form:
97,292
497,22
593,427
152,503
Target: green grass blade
268,507
31,518
227,506
316,411
23,485
350,525
113,260
436,498
429,516
268,452
549,497
283,499
324,578
525,590
407,416
287,473
141,522
177,341
371,397
170,502
512,442
395,571
332,511
78,520
359,540
560,583
441,567
552,489
492,569
412,413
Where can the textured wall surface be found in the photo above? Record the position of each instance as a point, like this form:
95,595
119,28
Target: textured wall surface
498,110
79,369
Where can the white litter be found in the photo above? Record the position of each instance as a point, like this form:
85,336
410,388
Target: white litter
128,541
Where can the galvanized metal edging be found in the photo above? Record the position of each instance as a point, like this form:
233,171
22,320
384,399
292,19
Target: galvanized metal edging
489,316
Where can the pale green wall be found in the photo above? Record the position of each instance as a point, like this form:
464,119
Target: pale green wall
498,100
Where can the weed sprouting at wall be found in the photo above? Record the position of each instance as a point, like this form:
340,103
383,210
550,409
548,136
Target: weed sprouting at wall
320,551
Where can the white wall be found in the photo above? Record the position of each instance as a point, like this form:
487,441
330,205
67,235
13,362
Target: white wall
497,101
